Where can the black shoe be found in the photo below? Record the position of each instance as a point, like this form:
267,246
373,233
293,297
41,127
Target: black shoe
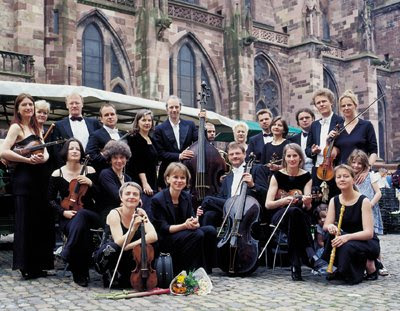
371,276
334,276
28,275
296,273
81,280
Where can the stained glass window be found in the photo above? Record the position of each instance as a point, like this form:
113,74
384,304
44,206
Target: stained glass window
92,58
186,76
118,89
115,67
266,86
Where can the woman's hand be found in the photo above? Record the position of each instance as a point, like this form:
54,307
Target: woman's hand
147,189
192,223
199,212
36,158
362,177
83,180
307,200
286,200
332,229
69,214
340,240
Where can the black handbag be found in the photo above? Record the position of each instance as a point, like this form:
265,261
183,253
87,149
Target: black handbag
165,270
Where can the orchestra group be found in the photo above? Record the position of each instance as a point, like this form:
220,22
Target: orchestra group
87,174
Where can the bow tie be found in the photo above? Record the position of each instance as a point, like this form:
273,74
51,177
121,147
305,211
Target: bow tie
305,134
76,118
266,135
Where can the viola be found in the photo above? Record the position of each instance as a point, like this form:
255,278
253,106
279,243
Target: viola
144,276
325,171
50,129
238,250
296,194
207,166
34,147
76,192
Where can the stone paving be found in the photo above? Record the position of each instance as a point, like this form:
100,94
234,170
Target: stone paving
264,290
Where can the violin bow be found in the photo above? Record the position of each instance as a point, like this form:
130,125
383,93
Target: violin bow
362,112
122,251
276,227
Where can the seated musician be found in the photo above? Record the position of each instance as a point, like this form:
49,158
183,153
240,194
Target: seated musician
119,220
111,179
357,247
179,231
296,222
76,225
212,206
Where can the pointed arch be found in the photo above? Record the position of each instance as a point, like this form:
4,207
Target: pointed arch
267,85
93,57
204,69
112,46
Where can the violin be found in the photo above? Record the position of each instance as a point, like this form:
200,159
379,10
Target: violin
296,194
76,191
34,147
274,160
238,250
144,276
50,129
325,171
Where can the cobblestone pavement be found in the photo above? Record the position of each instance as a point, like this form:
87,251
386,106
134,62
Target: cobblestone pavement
265,289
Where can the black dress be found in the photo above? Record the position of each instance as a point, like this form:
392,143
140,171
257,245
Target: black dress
78,248
352,256
144,160
34,221
106,257
108,192
297,221
271,151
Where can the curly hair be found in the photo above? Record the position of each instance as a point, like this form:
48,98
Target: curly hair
113,148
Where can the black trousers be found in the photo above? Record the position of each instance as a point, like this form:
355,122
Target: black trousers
213,211
78,249
297,225
191,249
352,256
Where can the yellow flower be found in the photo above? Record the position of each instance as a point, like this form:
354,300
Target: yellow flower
180,279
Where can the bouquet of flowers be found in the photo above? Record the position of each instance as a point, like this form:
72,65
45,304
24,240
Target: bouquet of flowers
196,282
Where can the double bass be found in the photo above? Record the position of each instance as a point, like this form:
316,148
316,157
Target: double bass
207,166
237,251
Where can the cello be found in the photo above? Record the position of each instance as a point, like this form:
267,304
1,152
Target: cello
237,251
207,166
144,276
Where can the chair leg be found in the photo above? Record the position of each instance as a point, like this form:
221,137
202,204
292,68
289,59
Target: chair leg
65,269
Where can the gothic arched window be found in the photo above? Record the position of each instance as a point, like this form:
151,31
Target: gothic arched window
93,75
115,66
329,83
266,86
186,76
381,125
118,89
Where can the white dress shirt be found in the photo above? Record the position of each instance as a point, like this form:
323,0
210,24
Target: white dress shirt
80,131
237,176
267,139
113,132
175,128
325,122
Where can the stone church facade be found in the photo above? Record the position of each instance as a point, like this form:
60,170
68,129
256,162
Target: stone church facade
252,53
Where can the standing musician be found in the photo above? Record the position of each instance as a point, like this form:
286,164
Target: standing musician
117,153
358,134
240,131
33,245
292,186
179,231
173,137
74,125
323,100
119,220
99,138
142,167
257,142
42,108
357,247
304,118
212,206
272,152
76,225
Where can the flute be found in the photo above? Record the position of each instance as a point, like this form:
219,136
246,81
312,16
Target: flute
333,253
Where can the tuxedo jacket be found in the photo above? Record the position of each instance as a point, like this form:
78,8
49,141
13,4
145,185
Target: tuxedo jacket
164,213
256,145
315,133
63,130
166,145
97,140
296,139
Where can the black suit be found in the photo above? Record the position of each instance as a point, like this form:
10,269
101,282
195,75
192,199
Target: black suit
190,249
97,140
213,205
296,139
167,146
63,130
256,145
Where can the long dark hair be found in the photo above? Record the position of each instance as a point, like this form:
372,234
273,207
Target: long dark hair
33,124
